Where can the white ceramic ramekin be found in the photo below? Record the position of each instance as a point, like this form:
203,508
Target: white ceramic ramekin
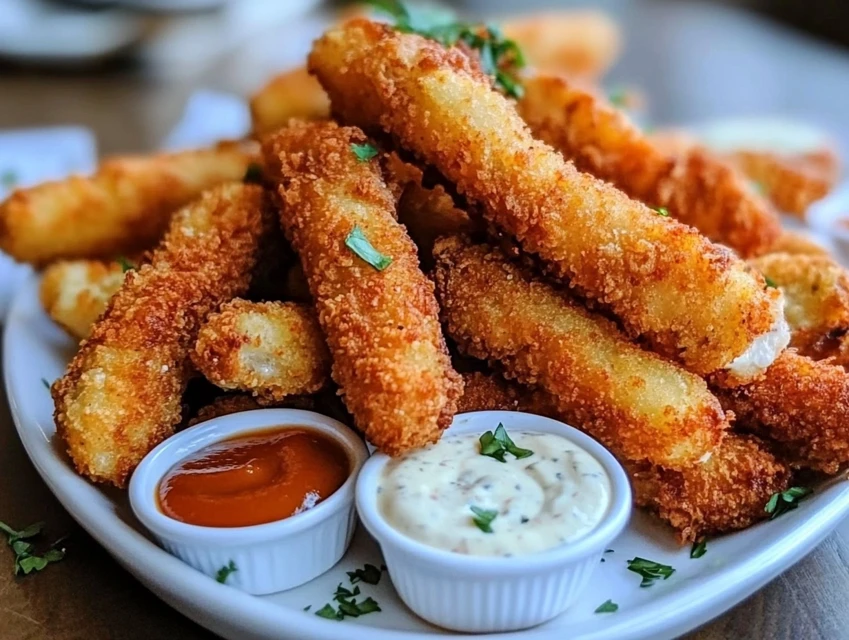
481,594
268,557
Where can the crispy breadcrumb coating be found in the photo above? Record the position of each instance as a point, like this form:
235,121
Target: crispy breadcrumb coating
802,406
695,187
124,207
75,292
382,326
121,394
636,403
578,43
292,94
726,492
239,402
816,296
651,271
271,349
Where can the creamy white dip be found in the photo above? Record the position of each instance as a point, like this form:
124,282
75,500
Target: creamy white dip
552,497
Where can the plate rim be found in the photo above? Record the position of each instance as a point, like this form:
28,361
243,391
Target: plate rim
223,609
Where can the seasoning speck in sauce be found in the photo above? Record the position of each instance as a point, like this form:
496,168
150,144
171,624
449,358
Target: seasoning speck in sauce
255,478
552,497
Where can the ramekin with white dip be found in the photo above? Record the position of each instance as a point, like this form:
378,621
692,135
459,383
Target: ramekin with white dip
477,544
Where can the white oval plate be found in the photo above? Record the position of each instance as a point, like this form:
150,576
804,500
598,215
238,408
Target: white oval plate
733,567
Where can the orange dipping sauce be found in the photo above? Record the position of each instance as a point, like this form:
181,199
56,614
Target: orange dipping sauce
255,478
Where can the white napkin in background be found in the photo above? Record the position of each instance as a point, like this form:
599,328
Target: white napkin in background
30,156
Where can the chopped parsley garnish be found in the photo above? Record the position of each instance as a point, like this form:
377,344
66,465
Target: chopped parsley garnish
329,612
483,518
360,245
8,179
649,570
364,152
608,607
699,549
308,607
45,383
225,571
253,174
770,283
608,550
618,98
495,445
784,501
26,559
368,574
661,211
126,265
500,58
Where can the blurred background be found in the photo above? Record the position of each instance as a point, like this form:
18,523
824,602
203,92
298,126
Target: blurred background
126,69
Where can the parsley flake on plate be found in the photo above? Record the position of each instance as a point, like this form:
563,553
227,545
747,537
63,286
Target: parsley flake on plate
784,501
607,607
364,152
225,571
26,558
359,244
496,445
483,518
649,570
368,574
45,383
699,549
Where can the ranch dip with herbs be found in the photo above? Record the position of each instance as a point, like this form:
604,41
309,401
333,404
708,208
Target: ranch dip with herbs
492,496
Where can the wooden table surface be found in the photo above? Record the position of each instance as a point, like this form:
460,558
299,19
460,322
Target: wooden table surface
694,61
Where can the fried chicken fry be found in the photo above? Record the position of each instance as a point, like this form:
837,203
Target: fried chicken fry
639,405
74,293
123,208
271,349
650,271
292,94
577,43
726,492
791,182
694,186
121,394
816,297
802,406
797,243
381,322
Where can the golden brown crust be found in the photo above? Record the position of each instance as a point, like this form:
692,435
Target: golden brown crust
74,293
791,182
292,94
725,493
382,327
694,186
816,296
121,394
124,207
639,405
271,349
802,406
649,270
797,243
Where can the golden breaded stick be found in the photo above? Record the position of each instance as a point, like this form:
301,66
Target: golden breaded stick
791,182
726,492
816,296
636,403
121,394
238,402
651,271
797,243
380,318
124,207
801,405
695,187
293,94
577,43
75,292
271,349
